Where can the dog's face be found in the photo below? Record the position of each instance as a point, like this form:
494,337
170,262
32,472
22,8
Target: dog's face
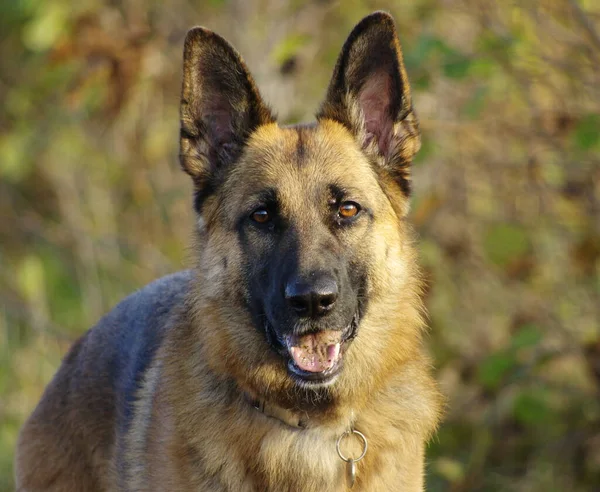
301,219
300,226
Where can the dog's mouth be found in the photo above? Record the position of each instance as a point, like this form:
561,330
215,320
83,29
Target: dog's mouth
315,355
315,358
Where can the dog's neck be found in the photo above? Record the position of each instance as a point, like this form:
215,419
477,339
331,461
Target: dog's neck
296,419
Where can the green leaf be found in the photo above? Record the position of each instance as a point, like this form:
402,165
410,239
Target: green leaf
42,32
288,47
493,370
450,469
476,104
14,165
64,293
493,43
587,132
31,278
417,54
457,67
531,408
422,81
504,243
484,68
528,336
426,150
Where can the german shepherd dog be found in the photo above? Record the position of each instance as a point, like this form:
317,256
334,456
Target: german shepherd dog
290,357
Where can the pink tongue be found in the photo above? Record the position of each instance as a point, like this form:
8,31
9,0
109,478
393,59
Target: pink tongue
316,352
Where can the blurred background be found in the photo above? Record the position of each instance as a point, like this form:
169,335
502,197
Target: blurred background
507,199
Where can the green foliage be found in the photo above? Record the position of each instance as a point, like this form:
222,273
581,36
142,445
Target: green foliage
426,151
493,370
504,243
457,66
587,132
429,50
532,408
528,336
12,148
45,28
289,47
476,103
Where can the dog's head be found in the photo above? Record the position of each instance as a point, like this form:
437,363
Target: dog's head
303,250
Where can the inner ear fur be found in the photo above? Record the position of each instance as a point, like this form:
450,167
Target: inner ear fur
369,94
220,106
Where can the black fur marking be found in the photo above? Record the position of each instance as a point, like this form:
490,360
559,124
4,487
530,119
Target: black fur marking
399,175
301,147
337,193
201,194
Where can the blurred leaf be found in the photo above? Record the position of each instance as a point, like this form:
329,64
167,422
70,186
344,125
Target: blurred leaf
30,277
12,14
14,166
587,132
8,439
93,95
425,207
484,67
44,29
476,103
493,43
445,49
19,102
427,150
492,370
421,81
418,53
505,242
289,47
531,408
450,469
553,174
457,66
528,336
64,292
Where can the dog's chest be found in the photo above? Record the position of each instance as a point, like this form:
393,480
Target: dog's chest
307,458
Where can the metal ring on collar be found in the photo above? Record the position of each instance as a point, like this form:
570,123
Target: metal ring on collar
347,433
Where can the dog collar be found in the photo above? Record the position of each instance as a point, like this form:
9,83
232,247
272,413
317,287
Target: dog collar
284,415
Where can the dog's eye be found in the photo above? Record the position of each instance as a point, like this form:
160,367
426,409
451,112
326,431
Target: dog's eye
347,210
261,216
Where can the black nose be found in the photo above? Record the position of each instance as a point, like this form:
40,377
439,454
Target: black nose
312,296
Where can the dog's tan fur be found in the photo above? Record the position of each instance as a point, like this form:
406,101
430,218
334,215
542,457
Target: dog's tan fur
192,427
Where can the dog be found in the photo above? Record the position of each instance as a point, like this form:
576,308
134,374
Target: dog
290,357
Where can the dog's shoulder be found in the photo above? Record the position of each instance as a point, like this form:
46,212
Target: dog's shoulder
116,352
91,398
144,313
133,331
135,326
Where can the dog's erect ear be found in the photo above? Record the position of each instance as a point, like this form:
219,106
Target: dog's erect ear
370,95
220,106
